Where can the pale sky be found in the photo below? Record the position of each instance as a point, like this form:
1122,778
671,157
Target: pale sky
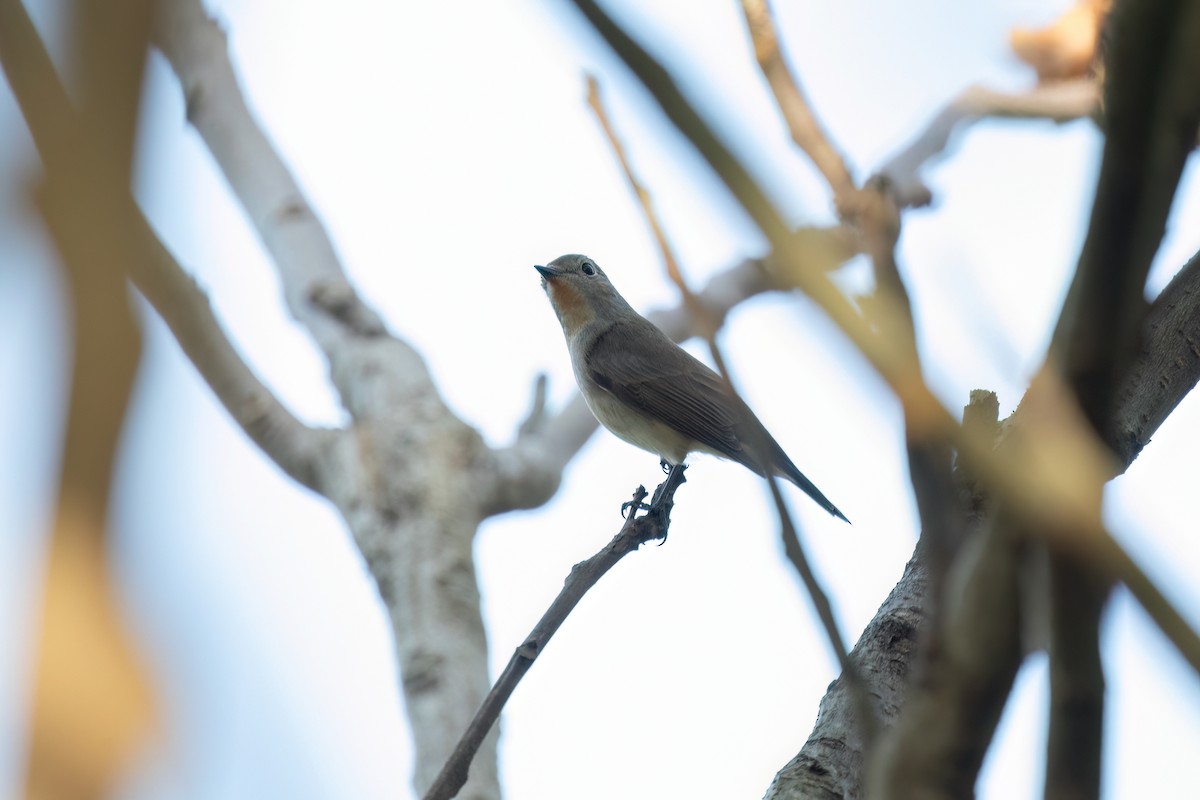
447,148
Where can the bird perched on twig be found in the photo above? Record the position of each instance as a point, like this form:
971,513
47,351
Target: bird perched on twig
648,390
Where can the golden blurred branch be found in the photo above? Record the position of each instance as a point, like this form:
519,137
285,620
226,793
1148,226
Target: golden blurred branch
92,704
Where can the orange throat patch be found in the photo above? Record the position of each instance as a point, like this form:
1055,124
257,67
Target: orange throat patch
572,309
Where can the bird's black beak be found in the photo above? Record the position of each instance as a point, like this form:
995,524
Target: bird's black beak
547,272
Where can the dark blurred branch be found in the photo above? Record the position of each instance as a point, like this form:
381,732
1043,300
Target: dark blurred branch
1152,114
111,39
875,214
636,531
1153,111
1076,728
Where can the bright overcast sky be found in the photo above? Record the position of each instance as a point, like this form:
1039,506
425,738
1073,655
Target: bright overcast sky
447,148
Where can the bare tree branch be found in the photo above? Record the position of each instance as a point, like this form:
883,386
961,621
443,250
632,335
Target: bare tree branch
793,105
872,218
1167,366
951,711
183,305
636,531
1059,102
875,215
830,764
316,289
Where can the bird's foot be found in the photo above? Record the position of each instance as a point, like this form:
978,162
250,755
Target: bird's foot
636,506
664,497
661,503
665,465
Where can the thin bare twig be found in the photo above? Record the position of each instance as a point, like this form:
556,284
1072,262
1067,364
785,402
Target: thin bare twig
699,315
802,123
634,533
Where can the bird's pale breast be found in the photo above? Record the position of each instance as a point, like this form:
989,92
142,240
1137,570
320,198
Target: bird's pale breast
634,426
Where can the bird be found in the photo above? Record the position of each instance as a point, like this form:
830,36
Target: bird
649,391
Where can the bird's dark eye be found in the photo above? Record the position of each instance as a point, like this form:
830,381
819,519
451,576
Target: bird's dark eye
587,268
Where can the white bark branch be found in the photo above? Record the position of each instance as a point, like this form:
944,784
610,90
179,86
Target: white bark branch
183,305
1059,102
405,478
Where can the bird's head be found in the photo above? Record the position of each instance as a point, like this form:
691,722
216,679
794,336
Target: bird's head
580,292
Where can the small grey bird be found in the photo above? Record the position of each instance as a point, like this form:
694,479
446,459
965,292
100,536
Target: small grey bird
648,390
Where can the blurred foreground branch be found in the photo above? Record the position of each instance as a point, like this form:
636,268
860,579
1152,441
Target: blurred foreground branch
92,706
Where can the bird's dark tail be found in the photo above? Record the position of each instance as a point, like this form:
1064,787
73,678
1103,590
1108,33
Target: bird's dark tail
781,465
809,488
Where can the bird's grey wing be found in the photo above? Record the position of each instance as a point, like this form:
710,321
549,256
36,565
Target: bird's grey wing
666,383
